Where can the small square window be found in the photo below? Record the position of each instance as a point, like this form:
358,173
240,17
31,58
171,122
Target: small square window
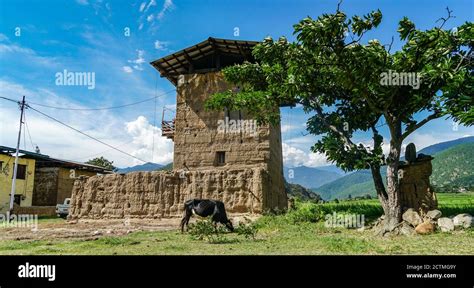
220,157
17,199
20,172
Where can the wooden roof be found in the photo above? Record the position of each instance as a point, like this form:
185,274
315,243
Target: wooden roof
209,55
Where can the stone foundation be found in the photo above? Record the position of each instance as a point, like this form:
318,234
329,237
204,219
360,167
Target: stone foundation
163,193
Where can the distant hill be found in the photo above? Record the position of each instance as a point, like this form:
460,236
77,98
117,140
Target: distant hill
144,167
453,167
355,184
309,177
333,168
167,167
433,149
298,191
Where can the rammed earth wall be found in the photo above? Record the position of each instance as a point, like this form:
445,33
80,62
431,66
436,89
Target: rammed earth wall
162,194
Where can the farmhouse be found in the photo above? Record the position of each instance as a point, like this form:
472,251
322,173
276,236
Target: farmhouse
42,181
243,169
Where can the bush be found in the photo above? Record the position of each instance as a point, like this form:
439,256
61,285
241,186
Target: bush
249,229
312,212
205,229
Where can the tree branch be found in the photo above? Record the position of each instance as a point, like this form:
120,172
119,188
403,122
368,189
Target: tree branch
410,129
333,128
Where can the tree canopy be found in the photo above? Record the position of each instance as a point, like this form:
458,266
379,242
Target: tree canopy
102,162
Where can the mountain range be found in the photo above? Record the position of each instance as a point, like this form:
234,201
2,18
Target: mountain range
311,177
144,167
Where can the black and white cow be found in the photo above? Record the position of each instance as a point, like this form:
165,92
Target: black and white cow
205,208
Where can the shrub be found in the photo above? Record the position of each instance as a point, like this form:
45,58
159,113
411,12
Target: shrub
205,229
248,229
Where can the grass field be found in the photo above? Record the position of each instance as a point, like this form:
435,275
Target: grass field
297,232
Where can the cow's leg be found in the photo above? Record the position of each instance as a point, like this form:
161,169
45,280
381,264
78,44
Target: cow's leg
187,215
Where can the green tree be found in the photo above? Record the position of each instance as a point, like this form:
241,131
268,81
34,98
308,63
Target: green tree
102,162
337,78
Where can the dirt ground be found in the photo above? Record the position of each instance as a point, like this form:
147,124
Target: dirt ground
89,229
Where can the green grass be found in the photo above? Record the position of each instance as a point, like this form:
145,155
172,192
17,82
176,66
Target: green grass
297,232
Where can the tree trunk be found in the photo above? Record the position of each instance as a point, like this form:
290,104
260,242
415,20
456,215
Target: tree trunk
379,187
393,215
390,197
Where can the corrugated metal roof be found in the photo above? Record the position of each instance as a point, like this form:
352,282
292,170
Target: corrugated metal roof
188,60
46,159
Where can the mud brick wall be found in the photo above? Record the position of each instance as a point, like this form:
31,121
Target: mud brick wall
54,184
163,193
46,187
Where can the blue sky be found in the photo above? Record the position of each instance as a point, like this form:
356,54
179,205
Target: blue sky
89,36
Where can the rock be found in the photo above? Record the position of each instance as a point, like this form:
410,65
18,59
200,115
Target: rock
445,224
406,229
465,220
410,153
97,233
425,228
412,217
434,214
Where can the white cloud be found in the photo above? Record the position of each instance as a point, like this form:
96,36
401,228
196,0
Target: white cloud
127,69
145,136
142,6
294,157
161,45
288,127
153,16
82,2
166,6
138,62
151,3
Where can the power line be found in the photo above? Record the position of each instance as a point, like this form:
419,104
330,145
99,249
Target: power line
12,100
102,108
101,153
29,135
87,135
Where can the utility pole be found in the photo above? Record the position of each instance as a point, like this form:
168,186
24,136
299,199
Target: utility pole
15,168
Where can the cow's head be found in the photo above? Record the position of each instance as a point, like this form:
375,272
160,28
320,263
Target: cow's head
229,226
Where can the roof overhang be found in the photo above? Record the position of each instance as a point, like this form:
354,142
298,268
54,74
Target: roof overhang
209,55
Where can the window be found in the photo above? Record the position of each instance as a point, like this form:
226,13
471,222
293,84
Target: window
20,172
220,157
17,199
233,115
